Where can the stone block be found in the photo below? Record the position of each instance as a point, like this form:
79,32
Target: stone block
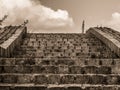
45,69
4,88
89,70
44,62
113,80
63,69
9,69
25,79
52,69
38,69
41,79
109,88
93,62
94,88
98,79
107,62
65,62
79,62
53,62
75,69
115,69
8,61
105,70
23,69
54,79
67,79
38,61
30,61
1,61
82,79
1,69
8,79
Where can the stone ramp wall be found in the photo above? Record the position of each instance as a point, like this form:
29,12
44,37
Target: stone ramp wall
106,38
7,47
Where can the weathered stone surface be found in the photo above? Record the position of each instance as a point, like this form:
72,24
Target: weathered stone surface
113,80
61,59
41,79
116,69
94,88
9,61
57,88
93,62
25,61
110,88
1,69
67,79
9,69
31,88
45,69
75,69
105,70
98,79
82,79
4,88
54,79
12,79
23,69
74,88
89,69
65,62
25,79
63,69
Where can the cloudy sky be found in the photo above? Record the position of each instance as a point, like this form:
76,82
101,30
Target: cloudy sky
62,15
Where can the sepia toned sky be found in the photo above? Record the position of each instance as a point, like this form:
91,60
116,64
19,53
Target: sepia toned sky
61,16
94,12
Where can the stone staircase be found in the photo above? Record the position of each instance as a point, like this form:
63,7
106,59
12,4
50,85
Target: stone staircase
60,74
93,68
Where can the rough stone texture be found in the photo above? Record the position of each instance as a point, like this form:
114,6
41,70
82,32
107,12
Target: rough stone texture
104,70
89,69
61,62
74,88
41,79
82,79
113,80
8,79
24,79
98,79
30,88
54,79
57,88
4,88
63,69
75,70
67,79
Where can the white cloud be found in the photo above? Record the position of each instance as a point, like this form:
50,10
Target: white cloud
114,22
39,16
116,15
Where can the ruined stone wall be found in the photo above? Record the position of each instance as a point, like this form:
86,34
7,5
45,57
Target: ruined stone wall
9,44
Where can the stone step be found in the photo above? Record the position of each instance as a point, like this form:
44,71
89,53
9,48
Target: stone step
58,87
60,69
58,61
41,79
